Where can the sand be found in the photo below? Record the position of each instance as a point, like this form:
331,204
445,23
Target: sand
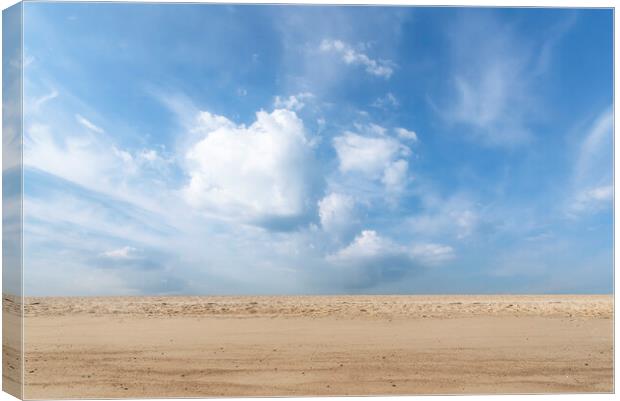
291,346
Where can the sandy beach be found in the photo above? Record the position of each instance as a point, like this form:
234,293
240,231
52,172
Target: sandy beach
332,345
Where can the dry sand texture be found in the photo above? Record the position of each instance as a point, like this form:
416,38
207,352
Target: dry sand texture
354,345
12,346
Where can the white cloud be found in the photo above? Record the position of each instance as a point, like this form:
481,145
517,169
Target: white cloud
86,123
385,102
368,246
376,157
395,175
370,260
432,254
368,155
125,156
604,193
592,199
294,102
148,155
381,68
251,173
371,248
406,134
371,129
116,185
337,212
126,252
207,122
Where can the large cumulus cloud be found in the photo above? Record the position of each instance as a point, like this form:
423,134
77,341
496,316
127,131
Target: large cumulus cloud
263,173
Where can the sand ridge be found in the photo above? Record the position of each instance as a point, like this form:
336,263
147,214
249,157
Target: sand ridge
394,306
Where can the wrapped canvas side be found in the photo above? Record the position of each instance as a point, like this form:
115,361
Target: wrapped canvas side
12,201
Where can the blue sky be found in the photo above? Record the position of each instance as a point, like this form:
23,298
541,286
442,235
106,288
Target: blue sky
217,149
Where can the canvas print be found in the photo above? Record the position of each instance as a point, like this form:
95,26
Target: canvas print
207,200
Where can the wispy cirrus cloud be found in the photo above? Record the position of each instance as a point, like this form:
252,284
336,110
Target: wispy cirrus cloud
554,35
490,78
88,124
494,73
40,101
592,183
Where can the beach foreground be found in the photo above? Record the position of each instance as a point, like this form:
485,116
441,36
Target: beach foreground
340,345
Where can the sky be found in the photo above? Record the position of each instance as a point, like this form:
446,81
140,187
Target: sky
254,149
